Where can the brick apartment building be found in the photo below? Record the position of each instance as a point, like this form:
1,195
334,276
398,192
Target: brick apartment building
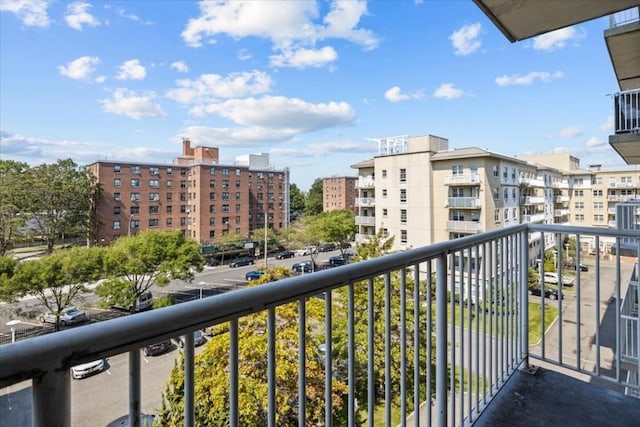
194,194
339,192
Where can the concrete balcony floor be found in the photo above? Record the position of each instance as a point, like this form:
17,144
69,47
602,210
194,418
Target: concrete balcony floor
550,398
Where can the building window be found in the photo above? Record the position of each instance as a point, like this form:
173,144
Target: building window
135,210
598,219
183,172
116,168
169,196
505,172
212,171
225,208
212,234
169,209
457,170
212,221
496,194
135,170
154,171
579,218
135,197
384,173
579,205
153,222
237,220
154,197
183,208
237,172
496,216
225,171
225,195
506,194
403,195
597,193
154,209
385,232
598,206
403,175
169,183
495,171
384,212
238,196
154,183
457,192
183,221
403,216
403,236
135,183
212,208
513,193
116,210
169,222
212,196
183,197
117,183
116,196
116,225
169,171
238,207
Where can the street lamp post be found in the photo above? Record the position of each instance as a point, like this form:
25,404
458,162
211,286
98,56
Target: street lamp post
12,324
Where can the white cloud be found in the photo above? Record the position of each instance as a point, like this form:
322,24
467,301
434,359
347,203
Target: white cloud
466,39
32,13
528,79
244,54
395,95
325,149
570,132
608,125
290,26
78,15
235,137
596,144
180,66
122,13
79,68
128,103
131,70
303,58
277,112
556,39
448,91
209,87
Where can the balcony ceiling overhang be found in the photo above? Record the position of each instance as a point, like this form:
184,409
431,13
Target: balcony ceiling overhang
627,146
623,44
523,19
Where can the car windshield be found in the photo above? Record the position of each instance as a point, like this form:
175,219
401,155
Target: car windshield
72,310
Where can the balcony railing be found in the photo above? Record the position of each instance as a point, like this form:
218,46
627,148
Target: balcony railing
365,201
365,220
463,202
464,226
448,359
627,111
539,217
464,179
531,200
561,199
365,183
630,339
560,212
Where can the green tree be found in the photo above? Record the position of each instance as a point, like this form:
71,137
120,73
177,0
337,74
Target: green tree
12,202
212,376
313,202
8,266
59,200
296,199
56,279
134,264
337,226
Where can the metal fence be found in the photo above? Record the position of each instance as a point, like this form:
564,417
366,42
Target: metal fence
446,325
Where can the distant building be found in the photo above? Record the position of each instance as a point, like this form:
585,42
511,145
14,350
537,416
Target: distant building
194,194
339,193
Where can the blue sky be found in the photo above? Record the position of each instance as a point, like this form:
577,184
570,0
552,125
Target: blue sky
306,81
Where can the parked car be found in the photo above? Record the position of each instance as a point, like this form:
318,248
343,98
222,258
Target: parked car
87,369
285,254
303,267
553,278
198,339
553,294
239,262
345,245
68,316
309,250
582,267
327,247
253,275
157,348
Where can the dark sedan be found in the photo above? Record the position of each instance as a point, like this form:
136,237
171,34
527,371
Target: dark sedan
157,348
240,262
285,254
550,293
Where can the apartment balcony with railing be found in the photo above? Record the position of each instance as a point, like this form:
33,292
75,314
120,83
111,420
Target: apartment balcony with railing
621,198
629,331
463,202
532,218
562,199
626,140
365,201
462,179
365,183
464,226
560,212
560,184
365,220
532,200
395,346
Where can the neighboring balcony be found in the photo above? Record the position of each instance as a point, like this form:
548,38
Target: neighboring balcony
464,179
560,212
532,200
365,183
363,238
463,202
464,226
366,220
561,199
365,201
626,140
561,184
539,217
532,182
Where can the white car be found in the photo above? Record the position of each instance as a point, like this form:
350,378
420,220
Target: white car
552,278
306,251
86,369
68,316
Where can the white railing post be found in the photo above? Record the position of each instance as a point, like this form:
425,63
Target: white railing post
441,340
524,298
52,399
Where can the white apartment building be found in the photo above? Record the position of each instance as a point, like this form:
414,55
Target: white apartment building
419,191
